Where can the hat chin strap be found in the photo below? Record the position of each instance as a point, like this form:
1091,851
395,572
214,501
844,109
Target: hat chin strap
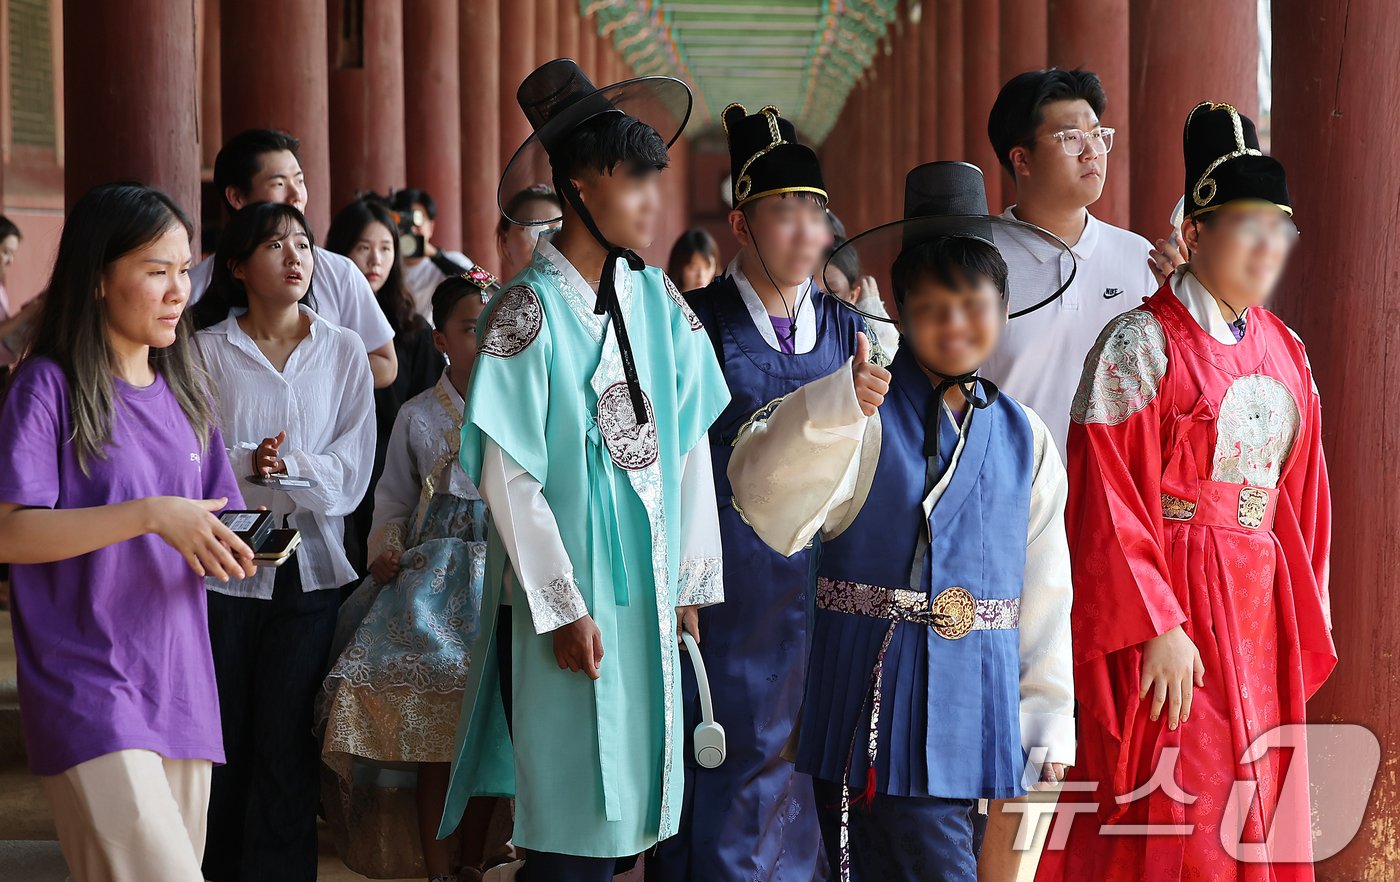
933,456
607,301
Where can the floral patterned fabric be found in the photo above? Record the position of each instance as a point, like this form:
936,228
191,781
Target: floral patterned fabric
394,692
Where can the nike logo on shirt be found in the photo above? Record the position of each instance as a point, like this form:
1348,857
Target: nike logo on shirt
1110,293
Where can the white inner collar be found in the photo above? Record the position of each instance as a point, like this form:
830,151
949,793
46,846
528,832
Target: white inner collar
806,323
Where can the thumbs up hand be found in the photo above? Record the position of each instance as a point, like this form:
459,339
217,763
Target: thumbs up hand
871,381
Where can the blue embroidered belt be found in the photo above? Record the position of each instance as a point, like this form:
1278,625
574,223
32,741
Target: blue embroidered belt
952,614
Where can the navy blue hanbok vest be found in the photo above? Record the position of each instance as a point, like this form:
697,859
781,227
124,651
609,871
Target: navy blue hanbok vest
949,719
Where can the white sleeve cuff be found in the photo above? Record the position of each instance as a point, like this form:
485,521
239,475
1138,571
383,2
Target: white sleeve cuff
1053,732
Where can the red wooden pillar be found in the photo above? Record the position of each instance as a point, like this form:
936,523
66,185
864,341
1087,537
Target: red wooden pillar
211,106
982,80
865,173
1091,34
481,162
882,136
129,98
516,51
546,30
366,99
1024,36
432,108
1196,50
279,84
1024,46
1335,114
830,154
911,62
587,44
568,42
929,94
950,80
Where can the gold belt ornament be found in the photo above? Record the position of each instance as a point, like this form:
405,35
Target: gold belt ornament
1222,504
952,614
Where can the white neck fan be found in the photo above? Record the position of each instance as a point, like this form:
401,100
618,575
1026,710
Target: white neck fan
709,735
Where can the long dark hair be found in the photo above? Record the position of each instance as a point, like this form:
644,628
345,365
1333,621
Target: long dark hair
247,230
346,229
109,222
692,242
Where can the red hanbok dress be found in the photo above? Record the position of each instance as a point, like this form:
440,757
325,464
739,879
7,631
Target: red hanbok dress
1198,497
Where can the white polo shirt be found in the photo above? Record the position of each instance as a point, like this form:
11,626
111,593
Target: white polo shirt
1041,355
342,294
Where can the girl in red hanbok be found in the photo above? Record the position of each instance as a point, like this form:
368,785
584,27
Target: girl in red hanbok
1199,528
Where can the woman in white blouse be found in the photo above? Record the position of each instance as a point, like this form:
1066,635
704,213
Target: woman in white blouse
295,401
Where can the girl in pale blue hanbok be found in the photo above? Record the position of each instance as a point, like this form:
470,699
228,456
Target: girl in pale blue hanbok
394,691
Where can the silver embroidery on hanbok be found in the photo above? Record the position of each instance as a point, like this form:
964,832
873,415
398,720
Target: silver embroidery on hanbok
1123,372
1258,424
515,323
701,581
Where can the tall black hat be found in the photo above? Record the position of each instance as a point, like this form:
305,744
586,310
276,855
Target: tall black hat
1224,162
950,199
765,158
558,97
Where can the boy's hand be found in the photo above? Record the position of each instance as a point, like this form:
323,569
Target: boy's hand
578,646
1050,775
1171,666
871,380
688,619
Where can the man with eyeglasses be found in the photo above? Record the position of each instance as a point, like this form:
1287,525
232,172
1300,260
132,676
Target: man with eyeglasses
1199,529
1046,131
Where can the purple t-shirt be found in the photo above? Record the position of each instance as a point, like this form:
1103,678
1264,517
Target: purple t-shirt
782,326
113,646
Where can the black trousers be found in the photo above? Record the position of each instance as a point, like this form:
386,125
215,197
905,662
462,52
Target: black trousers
269,660
904,838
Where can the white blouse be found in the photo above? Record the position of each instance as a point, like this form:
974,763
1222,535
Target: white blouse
420,462
807,469
324,400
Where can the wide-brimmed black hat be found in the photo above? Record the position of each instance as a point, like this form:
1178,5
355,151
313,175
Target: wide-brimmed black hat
558,97
1224,163
765,158
950,199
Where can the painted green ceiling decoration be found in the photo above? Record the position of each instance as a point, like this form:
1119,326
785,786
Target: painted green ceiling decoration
801,55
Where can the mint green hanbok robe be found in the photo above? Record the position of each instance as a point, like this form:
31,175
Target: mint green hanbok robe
596,766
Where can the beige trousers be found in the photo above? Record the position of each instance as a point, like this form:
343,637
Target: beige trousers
132,816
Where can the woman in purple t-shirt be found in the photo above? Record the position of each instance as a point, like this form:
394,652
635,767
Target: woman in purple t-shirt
113,473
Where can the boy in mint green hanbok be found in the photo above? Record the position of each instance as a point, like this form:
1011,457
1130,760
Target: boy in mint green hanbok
585,429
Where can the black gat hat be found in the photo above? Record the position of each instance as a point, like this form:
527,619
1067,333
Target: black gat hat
950,199
558,97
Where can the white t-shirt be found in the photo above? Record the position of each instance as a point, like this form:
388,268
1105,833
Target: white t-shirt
341,292
423,278
1041,355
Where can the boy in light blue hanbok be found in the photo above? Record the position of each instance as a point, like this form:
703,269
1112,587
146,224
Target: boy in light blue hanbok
586,430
